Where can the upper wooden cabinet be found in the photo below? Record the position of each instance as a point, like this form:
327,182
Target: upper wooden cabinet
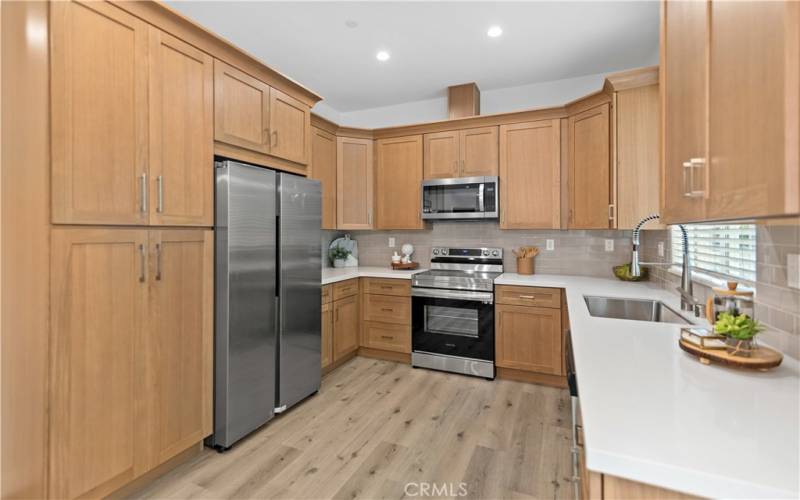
99,72
590,169
461,153
731,145
323,169
131,121
241,109
249,114
290,127
636,116
354,183
181,133
398,183
530,175
684,84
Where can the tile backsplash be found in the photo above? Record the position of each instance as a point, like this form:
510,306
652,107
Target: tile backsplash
776,304
576,251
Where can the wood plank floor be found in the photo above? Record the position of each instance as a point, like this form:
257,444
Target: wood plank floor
376,426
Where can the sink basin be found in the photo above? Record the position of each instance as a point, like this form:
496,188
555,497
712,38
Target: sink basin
634,309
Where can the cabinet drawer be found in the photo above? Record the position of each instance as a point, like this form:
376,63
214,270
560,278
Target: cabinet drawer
385,286
344,289
528,296
326,294
387,308
387,336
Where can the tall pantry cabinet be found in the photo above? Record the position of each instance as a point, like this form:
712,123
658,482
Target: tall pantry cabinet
131,299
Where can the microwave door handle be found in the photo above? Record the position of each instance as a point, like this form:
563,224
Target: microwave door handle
480,197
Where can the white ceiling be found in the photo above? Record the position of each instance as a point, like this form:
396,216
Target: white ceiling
432,44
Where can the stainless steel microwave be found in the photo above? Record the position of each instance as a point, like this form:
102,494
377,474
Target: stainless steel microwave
461,198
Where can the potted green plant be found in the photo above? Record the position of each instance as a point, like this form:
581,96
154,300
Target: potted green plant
739,332
338,255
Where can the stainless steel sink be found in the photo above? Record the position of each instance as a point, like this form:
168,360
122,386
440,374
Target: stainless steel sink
634,309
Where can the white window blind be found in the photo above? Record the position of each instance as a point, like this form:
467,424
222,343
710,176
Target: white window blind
725,249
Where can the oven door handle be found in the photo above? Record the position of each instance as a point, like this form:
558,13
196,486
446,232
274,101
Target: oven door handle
435,293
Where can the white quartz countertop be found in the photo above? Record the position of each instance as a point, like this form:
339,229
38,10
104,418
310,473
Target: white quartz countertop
654,414
334,274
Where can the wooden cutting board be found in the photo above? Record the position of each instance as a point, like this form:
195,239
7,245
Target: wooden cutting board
762,358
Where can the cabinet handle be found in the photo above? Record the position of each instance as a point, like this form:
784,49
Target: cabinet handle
387,337
275,138
611,210
143,187
531,297
387,287
387,309
158,261
369,217
578,434
142,264
160,189
689,168
336,315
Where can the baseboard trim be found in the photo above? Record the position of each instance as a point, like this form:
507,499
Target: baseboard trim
143,481
339,362
398,357
531,378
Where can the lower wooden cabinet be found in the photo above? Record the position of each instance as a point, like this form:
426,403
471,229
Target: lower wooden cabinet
131,353
345,326
386,336
386,315
327,336
387,308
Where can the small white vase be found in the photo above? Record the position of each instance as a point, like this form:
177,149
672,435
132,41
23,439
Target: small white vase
339,262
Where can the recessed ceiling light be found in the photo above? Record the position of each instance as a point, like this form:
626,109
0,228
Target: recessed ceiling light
382,55
495,31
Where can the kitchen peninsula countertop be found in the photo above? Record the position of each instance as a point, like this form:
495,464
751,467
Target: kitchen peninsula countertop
654,414
334,274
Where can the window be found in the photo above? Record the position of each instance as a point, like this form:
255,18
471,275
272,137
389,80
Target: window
723,249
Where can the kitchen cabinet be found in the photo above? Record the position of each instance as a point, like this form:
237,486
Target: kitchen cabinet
177,349
684,83
528,333
290,127
730,134
241,109
131,358
327,336
590,169
386,315
354,183
323,169
181,128
345,327
131,121
461,153
530,175
636,116
398,183
99,80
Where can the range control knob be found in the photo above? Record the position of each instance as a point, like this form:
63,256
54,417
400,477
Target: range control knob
444,251
486,253
495,253
435,251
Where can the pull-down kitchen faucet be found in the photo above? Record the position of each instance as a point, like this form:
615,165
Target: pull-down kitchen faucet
688,302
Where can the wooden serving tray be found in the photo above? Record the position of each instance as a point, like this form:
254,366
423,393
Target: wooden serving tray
762,358
405,267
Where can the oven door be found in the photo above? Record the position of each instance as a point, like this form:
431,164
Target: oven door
453,323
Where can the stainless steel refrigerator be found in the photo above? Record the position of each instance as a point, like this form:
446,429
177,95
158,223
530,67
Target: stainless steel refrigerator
267,297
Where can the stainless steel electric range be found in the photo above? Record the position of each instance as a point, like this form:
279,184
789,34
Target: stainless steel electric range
453,311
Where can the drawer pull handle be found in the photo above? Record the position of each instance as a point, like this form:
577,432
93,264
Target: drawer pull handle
387,337
387,287
527,297
578,435
387,309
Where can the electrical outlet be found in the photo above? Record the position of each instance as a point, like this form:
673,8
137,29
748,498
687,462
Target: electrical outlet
391,242
660,248
793,270
551,245
609,245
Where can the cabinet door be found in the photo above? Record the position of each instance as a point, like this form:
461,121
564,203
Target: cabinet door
353,183
637,116
530,175
99,114
327,335
345,326
398,183
441,155
181,133
528,338
684,85
290,127
478,148
754,103
98,307
241,109
590,169
323,169
178,343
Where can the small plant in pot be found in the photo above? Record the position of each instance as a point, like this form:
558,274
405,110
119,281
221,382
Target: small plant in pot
739,332
339,256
